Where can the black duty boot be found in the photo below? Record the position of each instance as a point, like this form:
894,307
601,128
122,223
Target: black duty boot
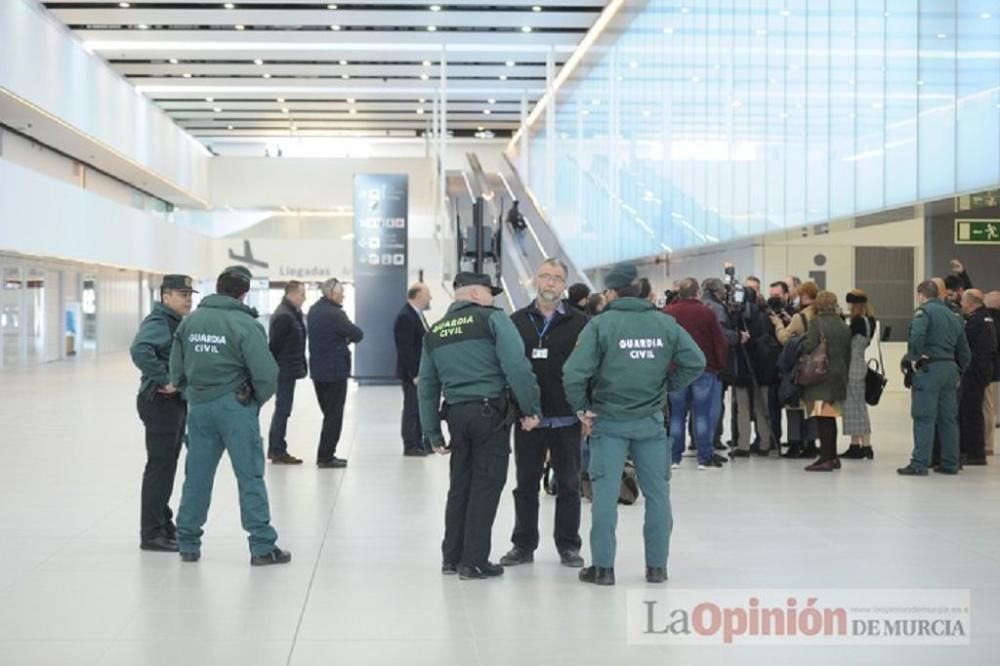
656,574
517,555
597,575
487,570
276,556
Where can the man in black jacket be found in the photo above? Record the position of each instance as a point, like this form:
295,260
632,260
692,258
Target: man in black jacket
408,332
163,411
287,342
549,329
980,331
330,333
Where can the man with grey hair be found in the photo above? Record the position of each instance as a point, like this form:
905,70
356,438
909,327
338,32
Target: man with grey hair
475,359
549,329
330,333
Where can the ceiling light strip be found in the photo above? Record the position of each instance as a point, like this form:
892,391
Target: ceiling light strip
574,60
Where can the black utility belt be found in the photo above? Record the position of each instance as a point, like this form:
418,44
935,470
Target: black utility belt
492,402
941,360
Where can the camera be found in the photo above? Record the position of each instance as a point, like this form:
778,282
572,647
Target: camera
735,296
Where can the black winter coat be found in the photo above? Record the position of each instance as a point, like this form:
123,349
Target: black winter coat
287,340
330,333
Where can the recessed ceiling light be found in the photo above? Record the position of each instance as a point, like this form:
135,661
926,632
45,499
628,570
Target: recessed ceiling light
229,127
281,100
266,76
124,5
941,35
536,8
331,6
217,110
985,15
432,28
695,79
491,100
424,77
209,99
335,27
258,61
143,26
668,31
353,112
174,61
785,12
435,8
526,28
427,63
480,128
285,109
633,64
292,127
186,75
420,112
240,27
351,100
345,76
511,63
486,112
685,10
647,113
586,112
920,82
422,100
229,5
503,77
343,62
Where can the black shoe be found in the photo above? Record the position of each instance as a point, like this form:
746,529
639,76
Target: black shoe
470,572
719,446
597,575
517,556
853,452
910,470
332,463
170,531
160,543
285,459
415,453
739,453
656,574
276,556
720,459
571,558
823,465
946,470
975,462
709,464
449,568
190,557
755,447
794,451
810,450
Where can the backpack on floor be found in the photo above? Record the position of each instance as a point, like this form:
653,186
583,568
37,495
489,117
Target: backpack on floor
628,493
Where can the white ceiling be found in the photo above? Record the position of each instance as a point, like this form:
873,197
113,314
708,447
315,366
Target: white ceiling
220,72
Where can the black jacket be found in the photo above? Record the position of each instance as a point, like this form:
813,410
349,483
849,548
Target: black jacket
408,331
559,340
287,340
981,332
995,316
330,333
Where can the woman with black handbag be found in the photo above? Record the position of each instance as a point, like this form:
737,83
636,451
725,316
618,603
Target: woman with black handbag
823,374
857,424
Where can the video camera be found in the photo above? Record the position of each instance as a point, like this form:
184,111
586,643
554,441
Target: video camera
735,297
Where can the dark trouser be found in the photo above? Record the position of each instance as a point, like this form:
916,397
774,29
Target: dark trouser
331,397
480,452
774,413
413,437
563,445
972,436
276,444
164,419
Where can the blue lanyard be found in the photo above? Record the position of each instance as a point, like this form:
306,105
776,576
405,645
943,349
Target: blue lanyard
545,329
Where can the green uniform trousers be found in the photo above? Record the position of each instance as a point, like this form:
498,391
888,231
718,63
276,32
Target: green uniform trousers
646,440
221,425
934,405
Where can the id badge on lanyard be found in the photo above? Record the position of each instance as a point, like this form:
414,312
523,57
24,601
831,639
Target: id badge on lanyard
541,352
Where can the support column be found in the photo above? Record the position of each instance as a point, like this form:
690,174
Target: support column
443,140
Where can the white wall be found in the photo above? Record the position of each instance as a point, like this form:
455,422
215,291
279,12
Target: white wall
42,62
119,309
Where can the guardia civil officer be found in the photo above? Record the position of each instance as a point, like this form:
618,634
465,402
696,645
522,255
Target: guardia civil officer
617,379
937,354
473,356
163,411
221,361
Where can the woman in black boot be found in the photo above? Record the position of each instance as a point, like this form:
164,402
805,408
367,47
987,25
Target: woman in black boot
856,421
824,399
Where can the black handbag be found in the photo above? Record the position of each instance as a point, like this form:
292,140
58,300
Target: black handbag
875,379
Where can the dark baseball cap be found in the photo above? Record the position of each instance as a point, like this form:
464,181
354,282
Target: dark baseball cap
621,276
469,279
177,283
241,271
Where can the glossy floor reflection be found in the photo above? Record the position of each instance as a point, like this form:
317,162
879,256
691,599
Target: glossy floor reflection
364,586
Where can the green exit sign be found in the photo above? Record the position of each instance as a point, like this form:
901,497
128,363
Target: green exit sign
977,232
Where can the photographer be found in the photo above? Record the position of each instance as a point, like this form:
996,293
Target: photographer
754,364
714,297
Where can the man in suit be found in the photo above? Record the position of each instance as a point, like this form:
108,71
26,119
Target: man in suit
408,331
330,333
287,342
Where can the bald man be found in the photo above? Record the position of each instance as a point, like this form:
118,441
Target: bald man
980,330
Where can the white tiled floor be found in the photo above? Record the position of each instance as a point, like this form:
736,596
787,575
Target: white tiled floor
364,586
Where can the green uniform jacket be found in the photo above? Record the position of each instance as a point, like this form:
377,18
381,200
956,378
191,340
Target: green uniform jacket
938,333
628,359
151,348
217,348
475,352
